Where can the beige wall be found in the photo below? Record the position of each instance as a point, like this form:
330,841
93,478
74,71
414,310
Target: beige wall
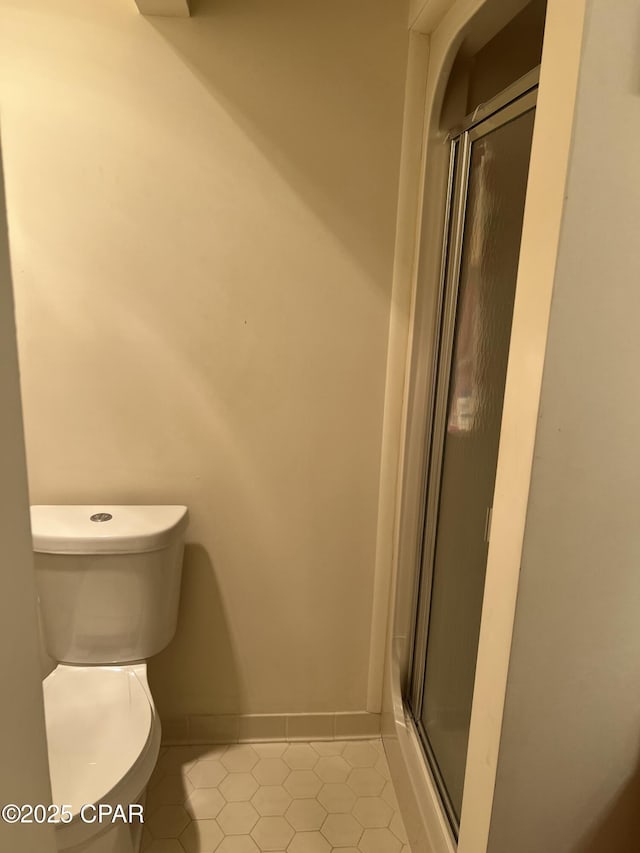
24,777
202,218
568,774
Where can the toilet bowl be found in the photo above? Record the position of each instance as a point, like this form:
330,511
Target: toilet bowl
108,597
103,738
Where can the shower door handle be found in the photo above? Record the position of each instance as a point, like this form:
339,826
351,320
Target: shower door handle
487,524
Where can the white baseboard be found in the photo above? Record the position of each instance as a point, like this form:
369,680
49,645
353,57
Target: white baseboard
245,728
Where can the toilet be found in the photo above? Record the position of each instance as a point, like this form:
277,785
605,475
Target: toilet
108,580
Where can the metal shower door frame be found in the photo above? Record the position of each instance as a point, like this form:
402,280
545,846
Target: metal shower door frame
513,102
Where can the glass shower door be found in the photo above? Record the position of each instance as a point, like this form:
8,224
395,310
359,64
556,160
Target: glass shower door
491,168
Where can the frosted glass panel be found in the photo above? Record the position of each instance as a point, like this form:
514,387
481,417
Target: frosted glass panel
491,242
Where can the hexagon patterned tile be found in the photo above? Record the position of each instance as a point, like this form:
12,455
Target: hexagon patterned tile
319,797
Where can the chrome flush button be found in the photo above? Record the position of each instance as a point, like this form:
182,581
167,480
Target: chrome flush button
101,516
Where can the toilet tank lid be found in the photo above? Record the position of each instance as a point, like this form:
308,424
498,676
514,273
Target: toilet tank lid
88,529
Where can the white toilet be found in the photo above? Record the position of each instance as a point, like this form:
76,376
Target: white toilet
108,581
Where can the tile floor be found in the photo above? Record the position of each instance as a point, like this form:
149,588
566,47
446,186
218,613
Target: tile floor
315,797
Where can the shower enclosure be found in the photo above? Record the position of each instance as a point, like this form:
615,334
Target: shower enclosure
487,187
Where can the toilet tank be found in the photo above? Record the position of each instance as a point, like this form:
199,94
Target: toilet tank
108,580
